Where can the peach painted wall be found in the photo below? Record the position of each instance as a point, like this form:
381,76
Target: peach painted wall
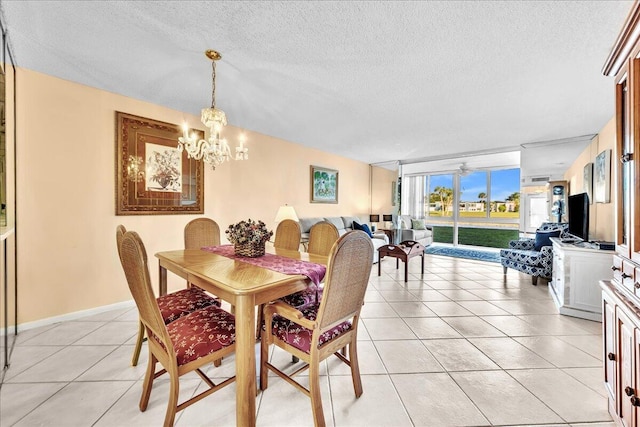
381,180
601,215
66,221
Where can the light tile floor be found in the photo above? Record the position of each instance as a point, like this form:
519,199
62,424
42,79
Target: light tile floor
461,345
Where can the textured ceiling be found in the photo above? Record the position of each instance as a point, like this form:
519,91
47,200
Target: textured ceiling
373,81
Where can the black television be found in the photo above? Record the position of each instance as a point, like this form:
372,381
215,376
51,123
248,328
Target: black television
578,212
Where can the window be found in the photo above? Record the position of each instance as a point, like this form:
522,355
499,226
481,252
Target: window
505,194
481,208
439,196
473,196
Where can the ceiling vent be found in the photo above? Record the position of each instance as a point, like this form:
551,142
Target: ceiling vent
535,180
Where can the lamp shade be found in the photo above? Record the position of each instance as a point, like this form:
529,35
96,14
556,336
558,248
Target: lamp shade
286,212
374,218
387,217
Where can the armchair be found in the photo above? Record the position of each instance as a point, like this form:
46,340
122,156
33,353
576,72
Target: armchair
533,256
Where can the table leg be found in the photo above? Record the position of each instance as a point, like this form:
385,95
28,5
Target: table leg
162,284
379,262
245,361
422,256
406,268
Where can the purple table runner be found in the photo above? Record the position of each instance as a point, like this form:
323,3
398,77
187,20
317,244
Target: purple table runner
281,264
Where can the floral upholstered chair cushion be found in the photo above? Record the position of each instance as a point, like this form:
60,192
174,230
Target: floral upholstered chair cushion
300,337
177,304
201,333
533,256
303,299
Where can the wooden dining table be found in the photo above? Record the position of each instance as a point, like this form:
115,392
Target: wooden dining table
244,286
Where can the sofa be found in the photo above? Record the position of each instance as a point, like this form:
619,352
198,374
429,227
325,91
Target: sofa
533,256
343,224
424,236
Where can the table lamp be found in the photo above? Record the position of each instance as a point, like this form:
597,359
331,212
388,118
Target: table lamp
374,219
387,219
286,212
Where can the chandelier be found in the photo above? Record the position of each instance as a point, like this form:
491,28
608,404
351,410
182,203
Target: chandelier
214,150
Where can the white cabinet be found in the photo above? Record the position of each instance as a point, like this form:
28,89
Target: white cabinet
577,269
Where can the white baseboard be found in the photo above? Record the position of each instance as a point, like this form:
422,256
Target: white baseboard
71,316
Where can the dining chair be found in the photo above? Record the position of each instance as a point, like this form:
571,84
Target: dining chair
288,235
201,232
322,236
318,331
182,346
172,306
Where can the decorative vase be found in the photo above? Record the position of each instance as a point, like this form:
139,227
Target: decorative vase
165,180
249,250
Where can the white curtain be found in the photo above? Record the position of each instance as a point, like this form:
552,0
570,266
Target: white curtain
413,196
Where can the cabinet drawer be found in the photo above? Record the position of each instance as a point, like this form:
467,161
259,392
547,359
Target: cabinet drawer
623,272
617,269
636,281
628,275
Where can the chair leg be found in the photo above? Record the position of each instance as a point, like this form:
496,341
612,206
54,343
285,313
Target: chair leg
504,270
174,391
259,321
138,347
314,393
264,358
148,382
534,280
355,368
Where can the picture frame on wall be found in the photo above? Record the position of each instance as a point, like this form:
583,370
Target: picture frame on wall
602,177
394,193
152,176
587,181
324,185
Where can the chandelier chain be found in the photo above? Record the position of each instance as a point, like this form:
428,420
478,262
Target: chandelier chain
213,85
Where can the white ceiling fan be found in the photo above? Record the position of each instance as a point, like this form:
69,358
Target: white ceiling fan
463,169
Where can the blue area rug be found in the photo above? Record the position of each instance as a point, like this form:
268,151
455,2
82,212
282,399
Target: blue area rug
463,253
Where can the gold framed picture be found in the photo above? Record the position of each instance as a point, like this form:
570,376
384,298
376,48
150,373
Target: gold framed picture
152,176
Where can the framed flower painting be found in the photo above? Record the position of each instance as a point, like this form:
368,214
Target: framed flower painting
152,176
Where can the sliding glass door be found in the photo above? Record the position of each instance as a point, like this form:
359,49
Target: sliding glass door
477,208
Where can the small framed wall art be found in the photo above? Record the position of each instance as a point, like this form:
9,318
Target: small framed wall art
324,185
152,176
394,193
602,177
587,181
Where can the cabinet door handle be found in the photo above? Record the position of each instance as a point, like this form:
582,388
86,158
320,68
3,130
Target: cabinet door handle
614,268
635,401
628,391
636,285
625,275
611,356
626,157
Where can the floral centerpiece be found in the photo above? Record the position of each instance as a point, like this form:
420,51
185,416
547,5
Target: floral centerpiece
249,237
